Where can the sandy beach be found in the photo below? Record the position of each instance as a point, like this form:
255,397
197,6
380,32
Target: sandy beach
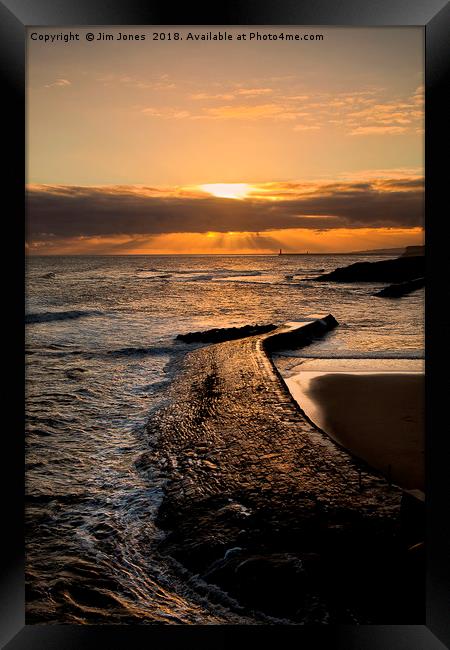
377,416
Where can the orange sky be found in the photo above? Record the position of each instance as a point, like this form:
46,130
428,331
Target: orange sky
235,147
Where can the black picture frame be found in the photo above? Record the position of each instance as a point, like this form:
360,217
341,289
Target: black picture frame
434,16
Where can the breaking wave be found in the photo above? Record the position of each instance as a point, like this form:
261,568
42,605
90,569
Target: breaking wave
50,316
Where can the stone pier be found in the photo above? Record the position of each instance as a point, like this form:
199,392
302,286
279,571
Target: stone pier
267,507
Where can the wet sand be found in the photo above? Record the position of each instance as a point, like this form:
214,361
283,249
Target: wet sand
379,417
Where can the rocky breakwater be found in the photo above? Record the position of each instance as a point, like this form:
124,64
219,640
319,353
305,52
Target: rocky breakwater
264,506
401,288
219,334
406,273
400,269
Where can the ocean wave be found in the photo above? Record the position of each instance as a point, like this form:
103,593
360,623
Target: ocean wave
157,276
222,271
50,316
195,275
103,354
307,271
140,352
67,348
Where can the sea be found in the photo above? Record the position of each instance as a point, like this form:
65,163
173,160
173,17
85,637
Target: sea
101,350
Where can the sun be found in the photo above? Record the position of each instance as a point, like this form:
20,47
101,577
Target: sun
228,190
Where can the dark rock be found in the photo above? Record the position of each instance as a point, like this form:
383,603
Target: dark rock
397,270
218,335
301,336
413,250
401,289
278,583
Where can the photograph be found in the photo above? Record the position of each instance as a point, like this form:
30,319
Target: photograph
225,325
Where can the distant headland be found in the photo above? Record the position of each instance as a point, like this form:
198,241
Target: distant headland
404,251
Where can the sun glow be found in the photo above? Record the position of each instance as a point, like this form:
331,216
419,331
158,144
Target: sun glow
228,190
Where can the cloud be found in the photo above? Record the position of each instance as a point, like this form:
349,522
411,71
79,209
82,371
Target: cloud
77,211
359,112
306,127
271,111
166,113
221,96
254,92
59,83
234,94
378,130
161,82
244,111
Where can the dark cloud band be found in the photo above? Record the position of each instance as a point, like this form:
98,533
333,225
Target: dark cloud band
70,211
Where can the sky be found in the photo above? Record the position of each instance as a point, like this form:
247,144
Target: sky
237,146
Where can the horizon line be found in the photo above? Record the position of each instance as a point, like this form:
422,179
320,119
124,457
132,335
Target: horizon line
274,254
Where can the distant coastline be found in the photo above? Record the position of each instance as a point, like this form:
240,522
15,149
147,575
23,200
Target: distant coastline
382,252
388,252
